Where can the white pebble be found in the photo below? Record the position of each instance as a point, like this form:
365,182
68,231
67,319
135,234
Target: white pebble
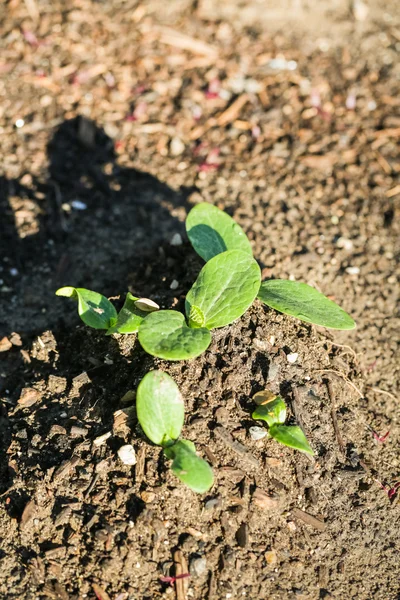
14,272
102,438
174,285
292,357
177,147
258,433
344,243
353,270
19,123
176,240
78,205
127,454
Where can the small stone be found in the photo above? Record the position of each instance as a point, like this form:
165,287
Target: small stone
174,285
271,557
257,433
99,441
292,526
147,497
57,430
78,205
15,339
198,566
127,455
176,240
213,503
78,431
353,270
292,357
344,243
28,397
5,344
177,147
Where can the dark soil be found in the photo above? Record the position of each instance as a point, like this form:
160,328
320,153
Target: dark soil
112,125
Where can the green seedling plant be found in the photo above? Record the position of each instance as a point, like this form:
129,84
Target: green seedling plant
225,288
272,410
161,412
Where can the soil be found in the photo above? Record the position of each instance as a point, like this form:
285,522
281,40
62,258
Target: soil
116,118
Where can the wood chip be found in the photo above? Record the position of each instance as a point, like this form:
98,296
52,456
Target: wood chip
28,513
101,594
393,192
181,568
224,435
177,39
140,464
65,468
29,396
264,500
232,112
309,519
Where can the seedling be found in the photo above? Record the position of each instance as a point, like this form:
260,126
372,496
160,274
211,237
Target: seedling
225,288
272,409
160,410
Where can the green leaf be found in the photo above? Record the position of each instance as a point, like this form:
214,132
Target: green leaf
212,231
160,408
192,470
166,335
304,302
94,309
273,412
129,317
225,288
291,436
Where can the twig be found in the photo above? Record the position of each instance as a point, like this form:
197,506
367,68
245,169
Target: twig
309,519
338,374
334,418
379,391
181,574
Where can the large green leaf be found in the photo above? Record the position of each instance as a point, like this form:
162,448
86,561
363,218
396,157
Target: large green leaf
192,470
304,302
129,317
94,309
160,407
273,412
166,335
224,290
212,231
291,436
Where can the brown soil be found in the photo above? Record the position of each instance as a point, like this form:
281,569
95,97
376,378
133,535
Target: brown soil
106,104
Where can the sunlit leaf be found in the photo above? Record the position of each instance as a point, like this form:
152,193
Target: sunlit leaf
212,231
192,470
166,335
129,317
94,309
273,412
225,288
291,436
304,302
160,408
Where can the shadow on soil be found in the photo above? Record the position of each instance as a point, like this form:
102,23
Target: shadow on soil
96,225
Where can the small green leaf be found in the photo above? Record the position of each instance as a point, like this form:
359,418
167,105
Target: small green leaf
305,303
225,288
291,436
273,412
94,309
129,317
212,231
192,470
166,335
160,408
